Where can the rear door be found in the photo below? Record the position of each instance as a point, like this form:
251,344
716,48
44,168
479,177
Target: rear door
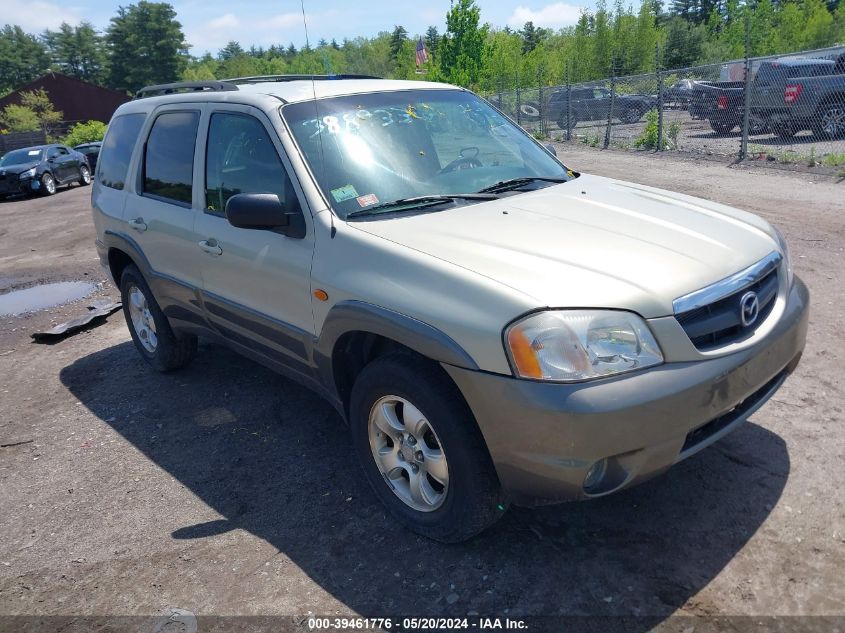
163,209
256,283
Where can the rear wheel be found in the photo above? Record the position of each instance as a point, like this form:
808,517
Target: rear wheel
831,121
631,115
784,131
48,184
151,332
563,124
421,450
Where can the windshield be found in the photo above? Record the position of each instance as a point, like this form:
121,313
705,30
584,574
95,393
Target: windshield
22,156
371,149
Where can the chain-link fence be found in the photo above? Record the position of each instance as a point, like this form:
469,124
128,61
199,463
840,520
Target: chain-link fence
785,108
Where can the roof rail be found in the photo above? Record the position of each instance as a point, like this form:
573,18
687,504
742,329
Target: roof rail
184,86
265,78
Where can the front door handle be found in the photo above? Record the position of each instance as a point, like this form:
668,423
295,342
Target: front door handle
138,224
210,246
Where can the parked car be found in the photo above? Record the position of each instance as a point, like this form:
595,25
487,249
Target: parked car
42,169
91,151
492,326
801,94
593,104
679,94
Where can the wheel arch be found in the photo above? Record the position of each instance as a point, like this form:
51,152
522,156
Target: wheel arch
355,333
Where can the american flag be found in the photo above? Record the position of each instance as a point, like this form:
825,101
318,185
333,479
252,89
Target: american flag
422,54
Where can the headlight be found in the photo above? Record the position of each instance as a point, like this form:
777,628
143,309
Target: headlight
574,345
787,260
29,173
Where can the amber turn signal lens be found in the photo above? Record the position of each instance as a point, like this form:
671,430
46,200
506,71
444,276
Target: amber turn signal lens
322,295
523,355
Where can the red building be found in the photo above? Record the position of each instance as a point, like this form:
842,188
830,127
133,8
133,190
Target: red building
76,100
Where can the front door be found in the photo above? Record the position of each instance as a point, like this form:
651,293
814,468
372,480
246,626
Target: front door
256,283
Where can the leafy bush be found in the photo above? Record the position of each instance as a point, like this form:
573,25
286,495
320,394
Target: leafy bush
648,137
87,132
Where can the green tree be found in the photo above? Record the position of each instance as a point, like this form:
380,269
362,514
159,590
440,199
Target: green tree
77,51
23,58
146,46
16,118
462,47
232,49
35,111
397,39
683,43
531,36
87,132
432,41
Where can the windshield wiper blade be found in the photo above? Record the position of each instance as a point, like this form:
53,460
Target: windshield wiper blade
409,204
513,183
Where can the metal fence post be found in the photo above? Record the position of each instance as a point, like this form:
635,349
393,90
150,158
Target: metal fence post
659,98
612,100
746,110
518,103
543,130
568,104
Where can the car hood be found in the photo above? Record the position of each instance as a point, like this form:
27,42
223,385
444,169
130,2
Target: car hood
17,169
591,243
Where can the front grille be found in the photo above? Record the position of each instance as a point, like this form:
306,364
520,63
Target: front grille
720,323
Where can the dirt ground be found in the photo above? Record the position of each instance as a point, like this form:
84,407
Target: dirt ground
226,489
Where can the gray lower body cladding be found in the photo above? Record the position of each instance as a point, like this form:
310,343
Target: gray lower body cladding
545,437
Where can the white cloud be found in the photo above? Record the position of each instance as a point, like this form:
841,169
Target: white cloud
37,15
552,15
227,21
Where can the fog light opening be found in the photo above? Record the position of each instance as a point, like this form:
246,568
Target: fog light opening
595,476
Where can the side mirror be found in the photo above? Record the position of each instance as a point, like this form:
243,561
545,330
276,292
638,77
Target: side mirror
550,149
264,211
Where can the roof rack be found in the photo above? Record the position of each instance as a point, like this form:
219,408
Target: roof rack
265,78
184,86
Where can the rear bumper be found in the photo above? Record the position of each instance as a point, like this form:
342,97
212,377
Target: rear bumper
544,437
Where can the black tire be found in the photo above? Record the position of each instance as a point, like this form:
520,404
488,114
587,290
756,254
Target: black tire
561,121
84,176
830,121
529,111
474,499
48,184
171,351
722,129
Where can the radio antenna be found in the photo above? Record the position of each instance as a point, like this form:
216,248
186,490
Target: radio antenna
316,110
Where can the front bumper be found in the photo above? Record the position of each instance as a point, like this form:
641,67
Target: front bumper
12,184
544,437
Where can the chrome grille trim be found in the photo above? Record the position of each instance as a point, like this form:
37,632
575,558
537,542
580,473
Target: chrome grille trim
728,285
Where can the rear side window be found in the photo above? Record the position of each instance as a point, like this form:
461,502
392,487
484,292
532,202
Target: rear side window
240,158
169,159
117,149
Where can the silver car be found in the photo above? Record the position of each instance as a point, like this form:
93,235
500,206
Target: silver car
494,327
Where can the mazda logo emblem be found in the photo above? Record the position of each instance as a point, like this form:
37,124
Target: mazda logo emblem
749,308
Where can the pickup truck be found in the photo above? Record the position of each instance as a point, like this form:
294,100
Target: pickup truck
787,96
801,94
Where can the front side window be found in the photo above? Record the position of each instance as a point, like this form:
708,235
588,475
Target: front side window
169,159
376,148
117,149
240,158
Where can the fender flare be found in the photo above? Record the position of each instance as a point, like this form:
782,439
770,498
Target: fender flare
352,316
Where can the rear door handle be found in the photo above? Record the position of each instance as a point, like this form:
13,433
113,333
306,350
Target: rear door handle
138,224
210,246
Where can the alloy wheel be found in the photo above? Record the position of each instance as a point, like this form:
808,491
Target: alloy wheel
833,121
142,319
408,453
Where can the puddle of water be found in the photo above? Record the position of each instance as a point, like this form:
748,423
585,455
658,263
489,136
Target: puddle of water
43,296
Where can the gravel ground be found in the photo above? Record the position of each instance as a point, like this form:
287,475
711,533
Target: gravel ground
226,489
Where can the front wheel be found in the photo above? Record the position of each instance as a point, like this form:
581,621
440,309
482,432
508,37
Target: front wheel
150,330
831,121
48,184
84,175
631,115
421,450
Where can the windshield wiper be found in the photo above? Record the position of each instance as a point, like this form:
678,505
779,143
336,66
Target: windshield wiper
513,183
417,202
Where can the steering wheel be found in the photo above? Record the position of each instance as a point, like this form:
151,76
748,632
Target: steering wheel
463,162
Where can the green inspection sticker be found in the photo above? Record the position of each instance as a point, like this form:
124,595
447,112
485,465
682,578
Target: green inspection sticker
344,193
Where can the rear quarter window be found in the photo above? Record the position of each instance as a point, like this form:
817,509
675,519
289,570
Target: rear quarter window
117,149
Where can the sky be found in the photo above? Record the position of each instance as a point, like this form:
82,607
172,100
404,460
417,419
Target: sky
211,24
